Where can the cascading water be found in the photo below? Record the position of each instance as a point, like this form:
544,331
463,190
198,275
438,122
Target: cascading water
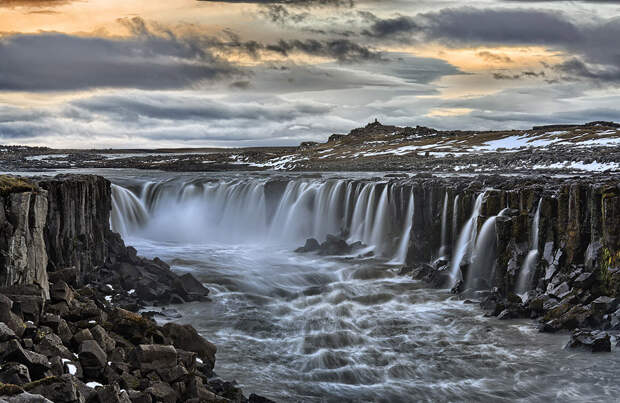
483,257
401,253
444,227
466,239
128,212
524,281
237,211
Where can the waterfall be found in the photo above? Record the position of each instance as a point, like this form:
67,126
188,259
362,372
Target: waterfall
455,219
524,282
379,229
466,238
128,211
483,256
444,227
237,211
401,253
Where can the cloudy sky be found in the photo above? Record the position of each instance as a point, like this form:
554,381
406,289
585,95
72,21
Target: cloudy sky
160,73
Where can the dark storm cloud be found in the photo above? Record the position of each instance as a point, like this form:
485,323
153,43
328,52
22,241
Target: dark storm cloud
593,44
518,76
153,57
52,61
180,108
342,50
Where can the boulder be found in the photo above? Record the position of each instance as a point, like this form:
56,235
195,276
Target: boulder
162,392
57,389
14,373
187,338
92,357
110,394
139,397
311,245
560,291
6,333
584,281
594,341
254,398
101,336
150,357
37,364
51,345
603,305
61,292
82,335
188,285
26,397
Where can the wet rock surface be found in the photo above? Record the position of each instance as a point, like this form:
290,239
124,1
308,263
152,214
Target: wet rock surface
332,246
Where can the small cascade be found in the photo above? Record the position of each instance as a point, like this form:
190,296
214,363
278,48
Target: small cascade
401,253
466,239
380,227
524,282
128,211
455,219
444,227
483,257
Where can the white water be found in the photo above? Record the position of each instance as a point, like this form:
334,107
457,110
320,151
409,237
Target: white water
237,211
466,239
444,227
483,257
401,253
524,281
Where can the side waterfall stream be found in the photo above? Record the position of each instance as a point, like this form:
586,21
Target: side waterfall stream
302,327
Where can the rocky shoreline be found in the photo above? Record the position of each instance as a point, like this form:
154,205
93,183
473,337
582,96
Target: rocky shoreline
69,295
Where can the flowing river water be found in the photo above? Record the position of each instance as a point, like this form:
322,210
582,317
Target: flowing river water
302,327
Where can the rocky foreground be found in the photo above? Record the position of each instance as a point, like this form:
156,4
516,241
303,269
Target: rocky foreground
65,281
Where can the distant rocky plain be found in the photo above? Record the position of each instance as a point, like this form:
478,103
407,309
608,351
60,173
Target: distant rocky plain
591,147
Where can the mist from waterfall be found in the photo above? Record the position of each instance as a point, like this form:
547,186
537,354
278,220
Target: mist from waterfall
238,211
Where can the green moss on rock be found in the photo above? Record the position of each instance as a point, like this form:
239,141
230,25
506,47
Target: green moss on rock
7,389
11,184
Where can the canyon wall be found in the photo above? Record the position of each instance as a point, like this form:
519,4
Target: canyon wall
51,224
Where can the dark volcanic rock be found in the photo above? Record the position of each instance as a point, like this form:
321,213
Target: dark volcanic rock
594,341
187,338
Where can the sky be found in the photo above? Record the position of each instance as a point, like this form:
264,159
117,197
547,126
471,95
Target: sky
191,73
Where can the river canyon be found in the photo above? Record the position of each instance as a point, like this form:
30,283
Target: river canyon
349,325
